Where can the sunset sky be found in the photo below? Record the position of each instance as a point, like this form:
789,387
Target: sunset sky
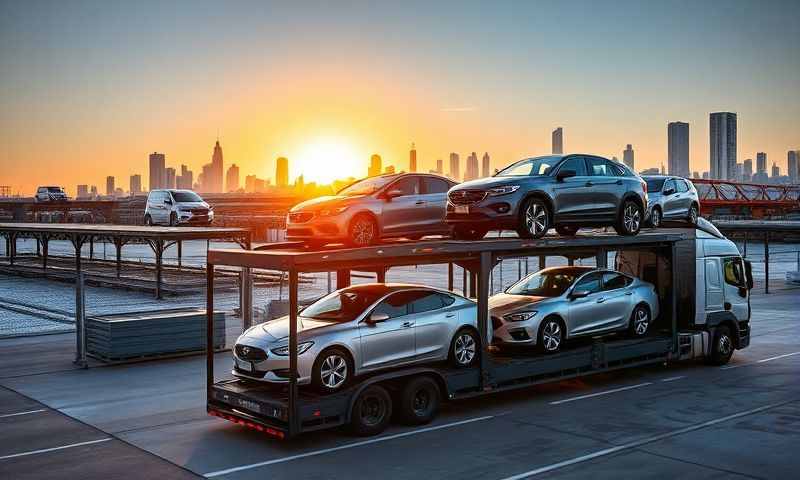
89,89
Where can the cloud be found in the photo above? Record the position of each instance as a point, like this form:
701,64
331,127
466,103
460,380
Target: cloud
459,109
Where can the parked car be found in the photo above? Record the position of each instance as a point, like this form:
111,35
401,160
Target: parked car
177,207
671,198
407,205
361,329
562,191
50,194
553,305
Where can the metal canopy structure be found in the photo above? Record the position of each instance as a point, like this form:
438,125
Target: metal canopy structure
158,238
479,257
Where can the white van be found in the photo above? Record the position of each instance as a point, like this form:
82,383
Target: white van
177,207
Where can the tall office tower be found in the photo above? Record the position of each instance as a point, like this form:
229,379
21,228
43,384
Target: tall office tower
389,169
169,177
739,172
186,179
83,192
136,185
722,141
485,168
282,172
440,166
412,159
110,185
791,166
776,170
250,183
761,162
215,182
558,141
747,170
627,157
455,171
374,166
472,167
232,178
705,175
696,174
678,148
157,161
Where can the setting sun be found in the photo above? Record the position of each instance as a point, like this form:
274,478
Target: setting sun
323,160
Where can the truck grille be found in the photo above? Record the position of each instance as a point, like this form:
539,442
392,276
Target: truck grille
300,217
251,354
466,197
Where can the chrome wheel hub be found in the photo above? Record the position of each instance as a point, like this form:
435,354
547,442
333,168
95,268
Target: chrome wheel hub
693,216
551,336
363,232
464,349
535,219
655,218
642,321
725,345
631,218
333,371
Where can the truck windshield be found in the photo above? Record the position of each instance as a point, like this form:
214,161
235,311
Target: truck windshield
530,167
545,284
186,197
343,306
366,186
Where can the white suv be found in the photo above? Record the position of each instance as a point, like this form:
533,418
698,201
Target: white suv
50,194
176,207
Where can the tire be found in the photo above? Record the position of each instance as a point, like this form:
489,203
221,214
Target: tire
534,219
567,230
148,221
640,321
630,219
464,348
723,346
173,219
363,231
333,370
419,401
468,233
655,217
551,335
371,412
693,215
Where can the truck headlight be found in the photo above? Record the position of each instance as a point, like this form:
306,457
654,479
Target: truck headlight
493,192
519,317
284,350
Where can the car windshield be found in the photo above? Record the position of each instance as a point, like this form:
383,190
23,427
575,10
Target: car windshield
530,167
344,305
655,184
186,197
545,283
54,189
366,186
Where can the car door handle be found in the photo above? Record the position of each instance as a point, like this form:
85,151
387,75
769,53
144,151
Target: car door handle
408,324
601,300
420,202
450,315
628,293
589,184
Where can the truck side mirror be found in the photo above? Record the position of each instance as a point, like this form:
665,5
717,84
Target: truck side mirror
748,271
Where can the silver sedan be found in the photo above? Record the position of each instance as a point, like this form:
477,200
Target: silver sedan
362,329
548,307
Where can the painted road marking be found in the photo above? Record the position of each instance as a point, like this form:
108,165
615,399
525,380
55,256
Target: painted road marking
606,392
344,447
53,449
779,356
728,367
670,379
22,413
638,443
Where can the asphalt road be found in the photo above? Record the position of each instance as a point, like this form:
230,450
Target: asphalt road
691,420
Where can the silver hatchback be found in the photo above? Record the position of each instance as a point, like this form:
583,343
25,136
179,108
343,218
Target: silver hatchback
555,304
362,329
671,198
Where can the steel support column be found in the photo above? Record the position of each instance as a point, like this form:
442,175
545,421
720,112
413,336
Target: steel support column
450,276
293,410
80,321
342,278
158,250
246,303
602,259
380,275
209,329
45,239
483,315
766,262
180,253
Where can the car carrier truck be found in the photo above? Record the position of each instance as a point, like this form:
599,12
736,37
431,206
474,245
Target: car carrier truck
702,281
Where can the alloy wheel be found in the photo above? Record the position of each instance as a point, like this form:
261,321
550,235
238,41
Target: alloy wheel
655,217
725,345
631,217
551,336
333,372
536,219
363,232
464,349
641,321
693,215
422,400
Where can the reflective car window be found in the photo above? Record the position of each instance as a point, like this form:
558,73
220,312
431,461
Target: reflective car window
669,184
397,304
426,302
529,167
591,283
574,163
598,167
543,284
616,169
447,300
434,185
342,306
407,185
613,281
655,184
682,187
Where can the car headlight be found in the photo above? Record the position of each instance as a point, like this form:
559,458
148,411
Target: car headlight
329,212
284,350
519,317
493,192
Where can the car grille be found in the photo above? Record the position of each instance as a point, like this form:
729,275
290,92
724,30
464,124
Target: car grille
251,354
466,197
199,211
300,217
298,232
496,323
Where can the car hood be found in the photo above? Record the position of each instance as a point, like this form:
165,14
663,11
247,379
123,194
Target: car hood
490,182
193,204
279,328
327,200
504,303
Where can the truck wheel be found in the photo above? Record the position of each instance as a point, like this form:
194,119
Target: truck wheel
332,371
722,348
693,214
551,335
630,219
372,411
534,219
640,321
655,217
464,348
419,401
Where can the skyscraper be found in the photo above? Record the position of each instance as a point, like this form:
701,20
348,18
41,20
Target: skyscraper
791,166
136,185
83,192
485,168
678,148
472,167
157,161
776,170
374,166
558,141
186,179
440,166
110,185
747,170
412,159
232,178
722,141
627,157
455,171
216,169
169,177
282,172
761,162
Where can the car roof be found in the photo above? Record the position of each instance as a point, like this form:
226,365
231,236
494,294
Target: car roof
574,270
386,288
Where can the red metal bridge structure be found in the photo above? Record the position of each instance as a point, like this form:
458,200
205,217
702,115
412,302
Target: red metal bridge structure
723,197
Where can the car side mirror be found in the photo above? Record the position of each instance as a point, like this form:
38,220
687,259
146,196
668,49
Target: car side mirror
669,192
562,174
748,271
579,294
376,318
168,202
393,194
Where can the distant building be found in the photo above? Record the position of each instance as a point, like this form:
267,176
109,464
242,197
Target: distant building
650,171
282,172
135,185
110,185
696,174
374,166
439,166
250,183
471,172
627,157
615,159
776,170
722,140
389,169
185,180
747,170
215,182
678,148
558,141
412,159
791,166
232,178
157,162
738,172
705,175
455,171
761,162
83,192
169,177
485,166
